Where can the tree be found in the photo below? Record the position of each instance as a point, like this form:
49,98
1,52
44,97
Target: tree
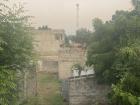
83,37
16,50
114,52
136,3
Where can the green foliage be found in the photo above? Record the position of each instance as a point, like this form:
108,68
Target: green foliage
127,91
121,97
136,3
115,47
97,23
7,86
83,37
16,50
67,44
14,31
114,53
130,83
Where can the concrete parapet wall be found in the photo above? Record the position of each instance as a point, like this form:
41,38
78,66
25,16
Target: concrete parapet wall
86,91
69,57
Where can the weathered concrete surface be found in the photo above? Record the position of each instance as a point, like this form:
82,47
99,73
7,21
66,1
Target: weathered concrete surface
27,85
47,44
30,83
67,58
86,91
53,56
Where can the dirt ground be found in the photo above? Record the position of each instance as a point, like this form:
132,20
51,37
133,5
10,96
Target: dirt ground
48,90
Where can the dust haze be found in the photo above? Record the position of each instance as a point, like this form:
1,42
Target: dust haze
61,14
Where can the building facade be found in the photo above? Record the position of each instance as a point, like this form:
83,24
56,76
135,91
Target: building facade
53,56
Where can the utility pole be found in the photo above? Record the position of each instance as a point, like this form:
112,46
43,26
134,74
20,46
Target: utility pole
77,16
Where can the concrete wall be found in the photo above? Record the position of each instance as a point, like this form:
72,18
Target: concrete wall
27,85
47,44
65,89
86,91
67,58
30,83
50,66
65,69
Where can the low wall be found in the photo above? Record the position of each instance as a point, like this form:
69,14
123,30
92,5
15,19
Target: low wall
27,85
86,91
30,83
65,89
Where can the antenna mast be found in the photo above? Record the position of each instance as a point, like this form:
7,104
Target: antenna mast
77,16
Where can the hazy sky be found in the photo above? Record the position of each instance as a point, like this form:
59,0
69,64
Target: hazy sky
61,14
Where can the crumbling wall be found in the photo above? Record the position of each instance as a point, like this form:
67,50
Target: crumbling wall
65,89
27,85
86,91
30,82
47,44
67,58
50,66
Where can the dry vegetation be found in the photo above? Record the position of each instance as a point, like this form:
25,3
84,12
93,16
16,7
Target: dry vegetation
48,91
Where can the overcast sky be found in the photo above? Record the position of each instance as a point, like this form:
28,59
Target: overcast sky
61,14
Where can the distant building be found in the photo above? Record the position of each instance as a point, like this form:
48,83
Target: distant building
53,56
